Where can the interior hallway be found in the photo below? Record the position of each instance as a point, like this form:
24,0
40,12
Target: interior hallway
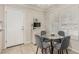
26,49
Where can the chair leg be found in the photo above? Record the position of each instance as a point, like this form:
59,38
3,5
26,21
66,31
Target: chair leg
42,50
45,50
62,51
49,49
66,51
37,50
58,51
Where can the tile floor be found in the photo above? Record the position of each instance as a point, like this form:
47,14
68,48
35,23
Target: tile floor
26,49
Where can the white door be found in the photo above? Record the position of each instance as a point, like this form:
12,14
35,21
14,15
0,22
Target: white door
14,26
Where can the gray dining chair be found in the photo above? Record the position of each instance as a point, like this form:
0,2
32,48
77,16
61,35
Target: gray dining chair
43,45
63,45
60,33
43,33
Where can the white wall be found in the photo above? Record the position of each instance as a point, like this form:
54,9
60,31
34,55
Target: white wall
31,14
1,25
65,17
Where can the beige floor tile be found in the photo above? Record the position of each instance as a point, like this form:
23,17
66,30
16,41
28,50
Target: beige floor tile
13,50
26,49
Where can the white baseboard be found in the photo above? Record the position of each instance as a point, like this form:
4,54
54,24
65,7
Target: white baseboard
73,50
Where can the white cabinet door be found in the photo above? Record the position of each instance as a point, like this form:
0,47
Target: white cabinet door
14,26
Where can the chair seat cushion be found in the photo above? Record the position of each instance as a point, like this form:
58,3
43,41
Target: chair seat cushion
57,46
46,45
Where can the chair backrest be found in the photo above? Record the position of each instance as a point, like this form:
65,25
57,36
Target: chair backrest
61,33
39,41
65,42
43,32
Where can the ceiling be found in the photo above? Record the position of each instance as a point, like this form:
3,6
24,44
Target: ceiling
42,6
